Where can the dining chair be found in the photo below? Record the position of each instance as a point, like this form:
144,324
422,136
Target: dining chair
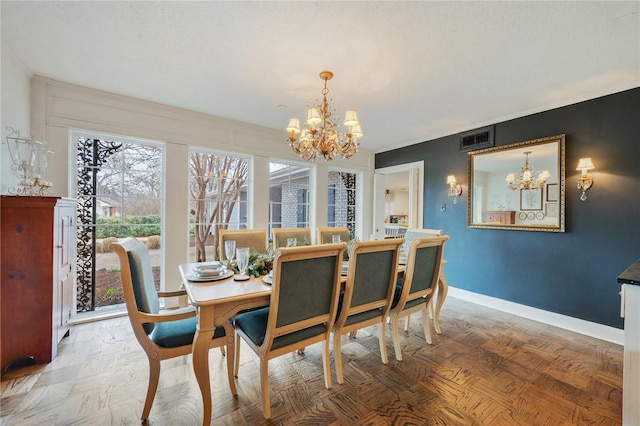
256,239
416,290
409,235
391,231
325,234
368,293
281,235
301,312
162,334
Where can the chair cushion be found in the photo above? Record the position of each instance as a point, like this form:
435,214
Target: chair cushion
356,318
254,325
144,288
172,334
409,303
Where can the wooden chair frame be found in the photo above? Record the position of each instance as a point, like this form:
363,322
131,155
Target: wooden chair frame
156,353
325,233
264,351
383,304
256,239
399,310
280,235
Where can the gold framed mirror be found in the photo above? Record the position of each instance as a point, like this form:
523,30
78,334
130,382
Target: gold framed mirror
520,186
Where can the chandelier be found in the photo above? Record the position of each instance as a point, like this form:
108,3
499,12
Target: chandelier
320,135
527,178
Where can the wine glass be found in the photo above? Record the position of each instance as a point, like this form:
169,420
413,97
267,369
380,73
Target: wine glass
229,251
242,256
335,238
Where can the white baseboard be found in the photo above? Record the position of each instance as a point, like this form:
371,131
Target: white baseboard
592,329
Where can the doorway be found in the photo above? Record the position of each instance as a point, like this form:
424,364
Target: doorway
398,197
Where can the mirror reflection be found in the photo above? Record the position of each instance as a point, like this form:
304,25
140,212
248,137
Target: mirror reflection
518,186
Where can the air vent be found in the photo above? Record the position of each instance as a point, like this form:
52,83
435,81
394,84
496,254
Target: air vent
477,139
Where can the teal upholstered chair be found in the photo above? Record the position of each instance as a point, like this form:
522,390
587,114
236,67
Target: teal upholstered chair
368,293
409,235
162,334
415,291
303,306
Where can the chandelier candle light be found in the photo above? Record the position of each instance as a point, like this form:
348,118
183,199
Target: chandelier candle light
527,179
321,136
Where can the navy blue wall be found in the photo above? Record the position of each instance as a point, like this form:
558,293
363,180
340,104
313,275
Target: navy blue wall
571,273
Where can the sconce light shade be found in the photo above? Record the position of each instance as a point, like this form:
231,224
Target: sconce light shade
585,181
585,164
455,190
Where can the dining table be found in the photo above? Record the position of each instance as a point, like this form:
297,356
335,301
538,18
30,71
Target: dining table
218,300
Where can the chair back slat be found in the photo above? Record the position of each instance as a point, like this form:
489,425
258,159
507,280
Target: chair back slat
280,236
255,239
325,234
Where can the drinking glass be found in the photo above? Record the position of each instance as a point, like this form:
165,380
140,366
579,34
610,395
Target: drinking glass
335,238
292,242
242,256
229,250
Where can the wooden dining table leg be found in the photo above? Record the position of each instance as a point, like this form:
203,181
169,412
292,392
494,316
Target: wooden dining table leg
202,339
443,288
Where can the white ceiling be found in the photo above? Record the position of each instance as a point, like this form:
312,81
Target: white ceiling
413,70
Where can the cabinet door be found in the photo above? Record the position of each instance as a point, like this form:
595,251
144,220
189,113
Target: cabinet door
64,261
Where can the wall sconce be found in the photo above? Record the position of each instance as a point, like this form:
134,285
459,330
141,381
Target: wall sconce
455,190
585,181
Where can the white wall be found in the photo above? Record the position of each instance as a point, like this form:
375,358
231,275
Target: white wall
15,110
59,108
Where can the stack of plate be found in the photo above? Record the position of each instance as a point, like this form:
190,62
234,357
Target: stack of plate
209,270
345,267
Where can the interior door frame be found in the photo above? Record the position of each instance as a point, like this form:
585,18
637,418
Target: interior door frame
416,195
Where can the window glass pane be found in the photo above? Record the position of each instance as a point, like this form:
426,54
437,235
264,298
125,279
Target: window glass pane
119,192
288,196
342,191
217,200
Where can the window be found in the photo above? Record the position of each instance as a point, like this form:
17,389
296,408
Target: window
342,201
331,201
217,200
119,189
302,208
288,196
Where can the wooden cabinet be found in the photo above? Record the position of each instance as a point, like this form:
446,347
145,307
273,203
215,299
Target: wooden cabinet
37,249
505,217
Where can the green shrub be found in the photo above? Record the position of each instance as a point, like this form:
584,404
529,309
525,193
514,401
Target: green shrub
153,242
136,226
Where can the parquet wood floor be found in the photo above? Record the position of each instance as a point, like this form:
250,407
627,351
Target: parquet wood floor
487,368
